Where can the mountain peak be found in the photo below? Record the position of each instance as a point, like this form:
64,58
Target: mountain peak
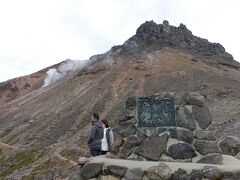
151,36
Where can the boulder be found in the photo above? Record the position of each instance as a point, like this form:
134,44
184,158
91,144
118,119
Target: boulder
160,172
231,174
181,151
126,129
82,161
180,174
195,98
91,170
180,98
109,177
128,146
184,118
182,134
205,147
215,158
130,107
141,135
196,175
205,135
134,174
161,130
117,170
130,112
202,115
230,145
211,172
153,147
131,102
148,131
118,141
73,175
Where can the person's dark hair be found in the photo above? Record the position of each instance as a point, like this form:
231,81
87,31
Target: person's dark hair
104,121
95,115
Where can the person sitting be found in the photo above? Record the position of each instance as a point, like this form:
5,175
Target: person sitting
107,139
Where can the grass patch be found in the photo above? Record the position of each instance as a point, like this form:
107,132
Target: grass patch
74,154
50,166
10,138
17,161
6,132
69,154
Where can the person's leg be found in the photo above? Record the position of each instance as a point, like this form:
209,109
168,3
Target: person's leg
104,152
93,152
99,152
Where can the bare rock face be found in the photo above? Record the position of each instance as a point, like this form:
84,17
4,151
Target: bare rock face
230,145
153,147
152,36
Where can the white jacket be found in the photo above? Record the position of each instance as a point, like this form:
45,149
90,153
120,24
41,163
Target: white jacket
105,141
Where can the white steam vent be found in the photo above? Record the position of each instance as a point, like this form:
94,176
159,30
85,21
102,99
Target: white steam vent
68,67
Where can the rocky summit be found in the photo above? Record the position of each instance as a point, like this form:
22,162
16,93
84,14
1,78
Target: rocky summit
44,128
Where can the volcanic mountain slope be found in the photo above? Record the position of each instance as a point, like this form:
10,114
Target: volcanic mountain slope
158,58
14,88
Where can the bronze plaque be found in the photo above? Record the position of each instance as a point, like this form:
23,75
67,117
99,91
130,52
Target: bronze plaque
156,113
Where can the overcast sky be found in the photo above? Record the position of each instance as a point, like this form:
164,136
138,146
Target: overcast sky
35,34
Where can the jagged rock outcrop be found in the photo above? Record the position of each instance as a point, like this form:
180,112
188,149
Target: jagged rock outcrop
151,36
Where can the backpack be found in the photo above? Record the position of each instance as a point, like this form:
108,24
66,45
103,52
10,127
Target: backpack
109,138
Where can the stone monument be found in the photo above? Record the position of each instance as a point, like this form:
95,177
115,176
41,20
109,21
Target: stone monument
167,127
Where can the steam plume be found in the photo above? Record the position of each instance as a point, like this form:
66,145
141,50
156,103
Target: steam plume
68,67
